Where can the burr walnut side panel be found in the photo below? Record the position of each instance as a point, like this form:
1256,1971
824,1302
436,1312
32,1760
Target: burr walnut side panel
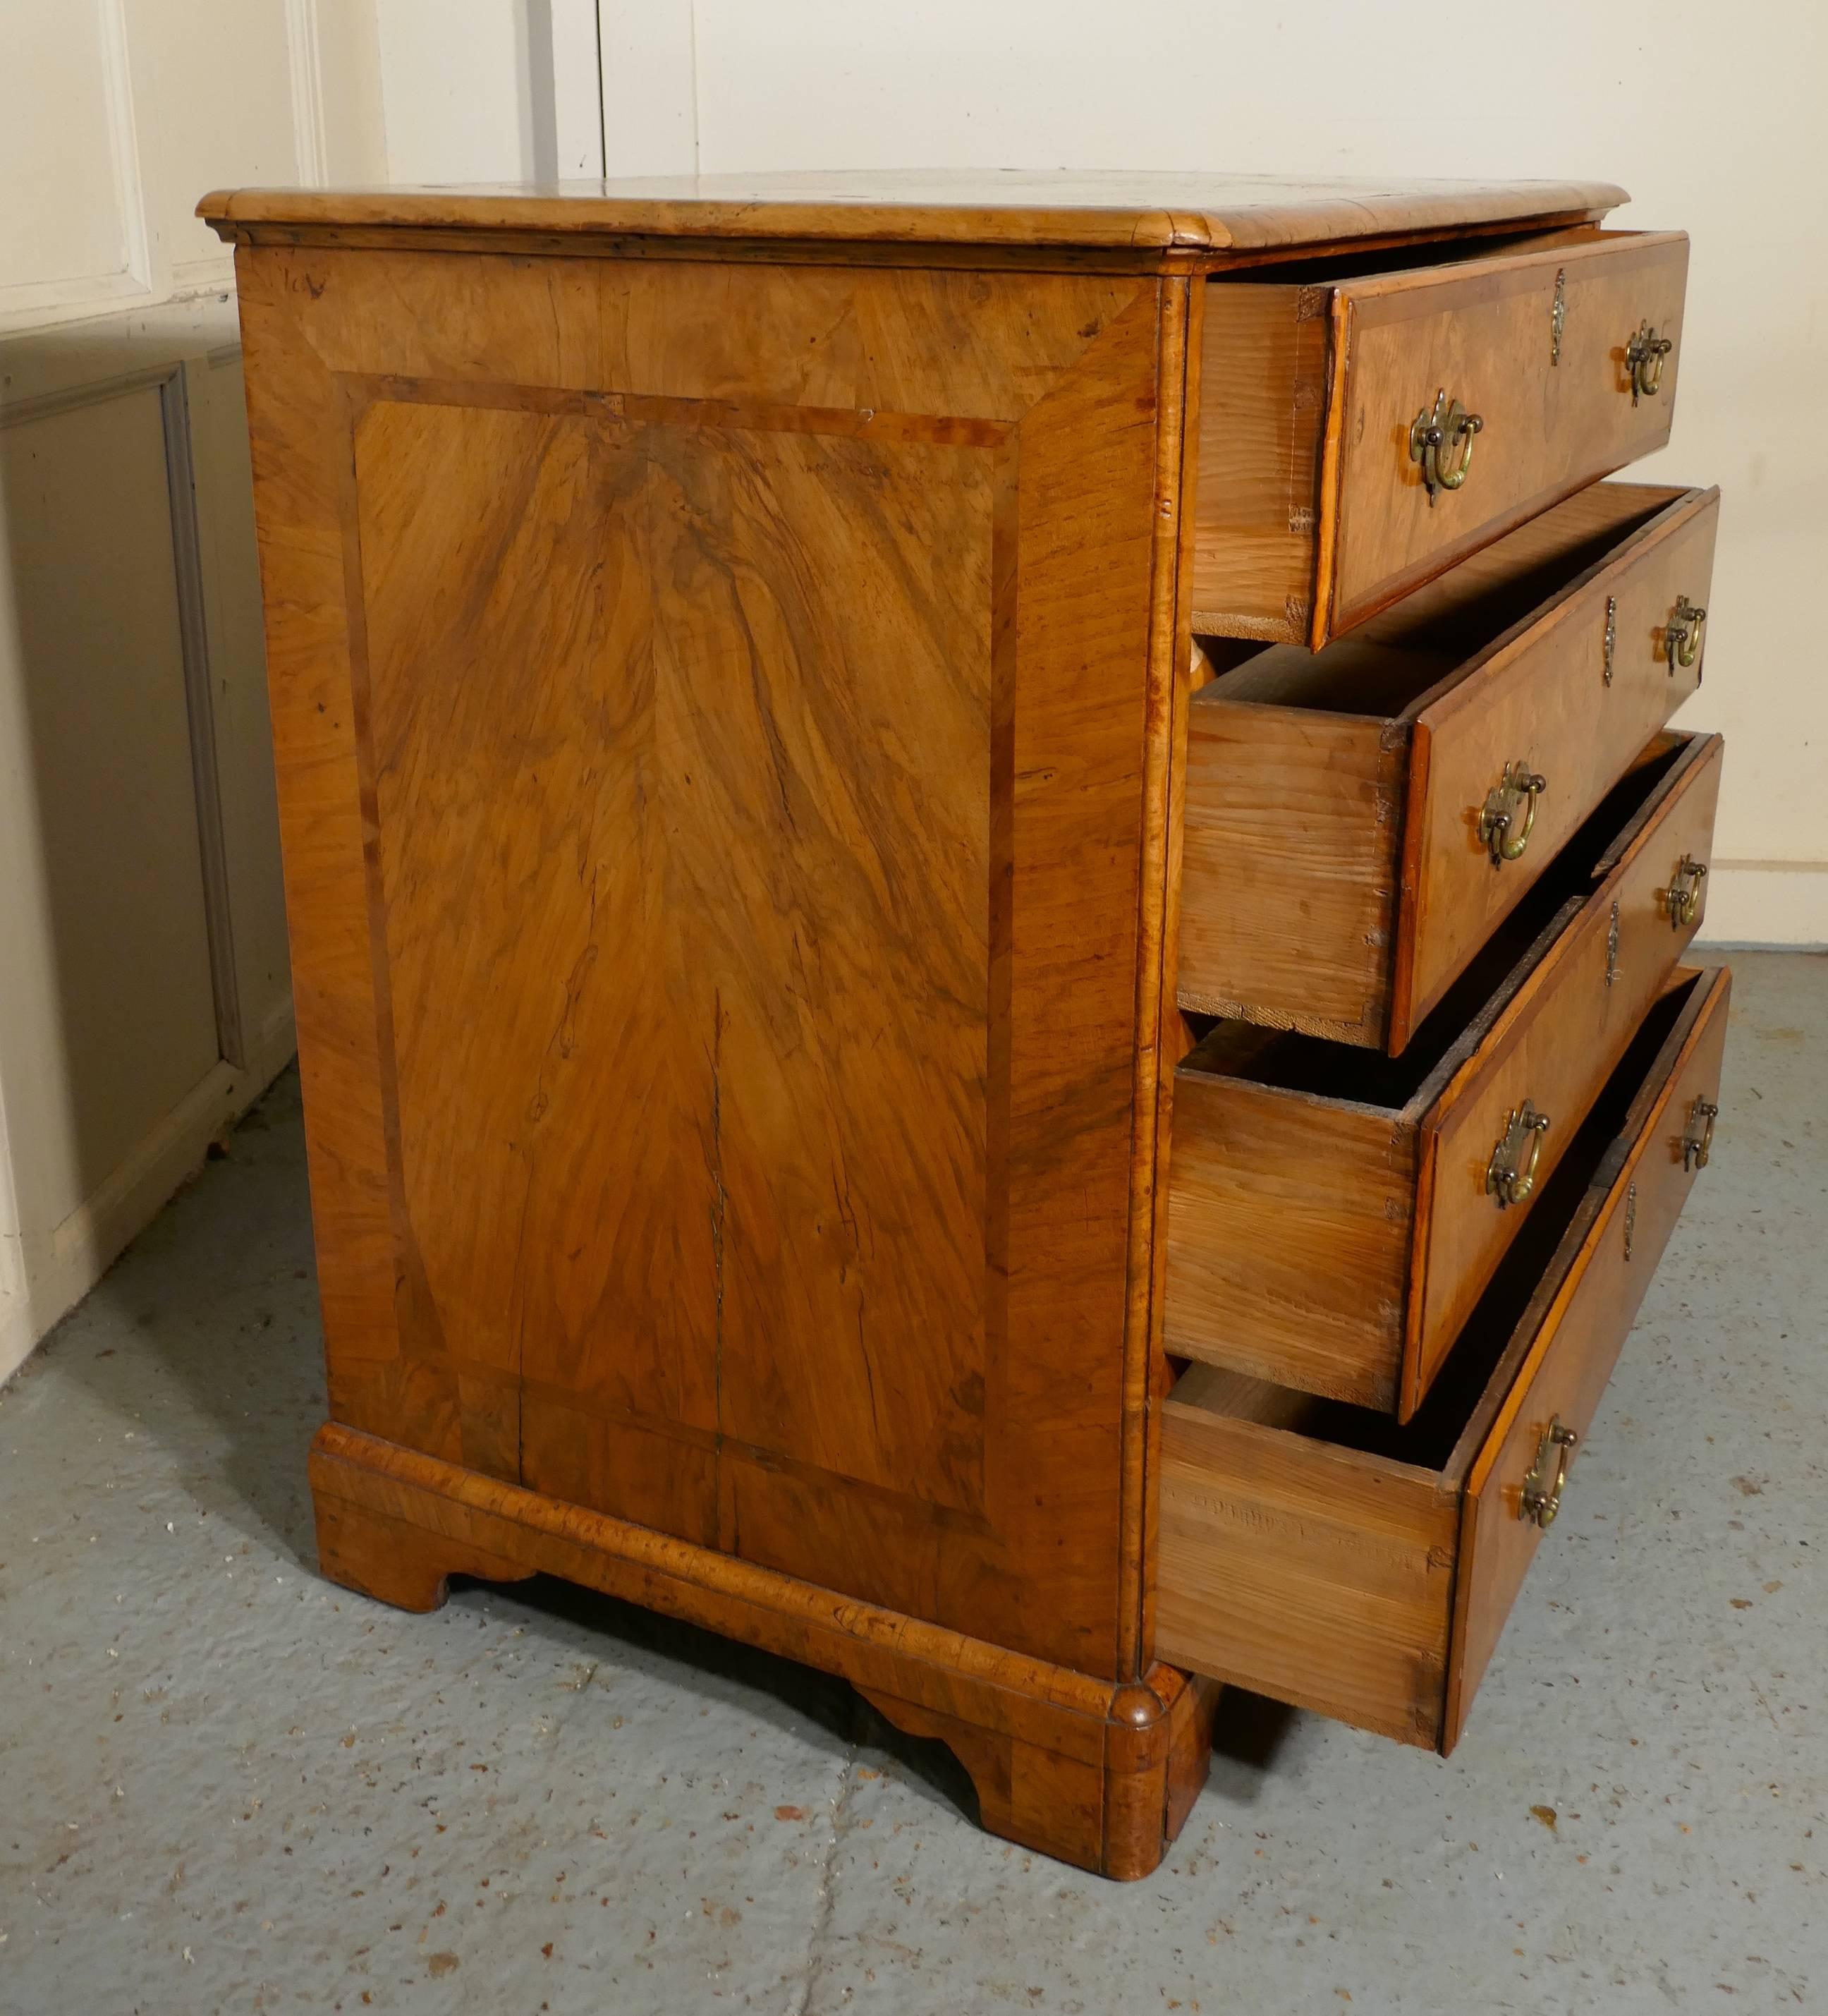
714,709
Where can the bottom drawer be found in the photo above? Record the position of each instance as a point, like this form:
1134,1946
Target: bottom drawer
1331,1558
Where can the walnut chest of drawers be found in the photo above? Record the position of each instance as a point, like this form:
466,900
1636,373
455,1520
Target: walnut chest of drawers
988,892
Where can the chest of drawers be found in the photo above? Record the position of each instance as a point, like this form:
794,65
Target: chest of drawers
987,891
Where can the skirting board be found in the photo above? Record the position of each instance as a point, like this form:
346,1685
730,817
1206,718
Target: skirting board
1775,903
53,1272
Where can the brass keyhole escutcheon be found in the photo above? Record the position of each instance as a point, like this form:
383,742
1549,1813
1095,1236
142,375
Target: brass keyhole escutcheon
1510,812
1510,1175
1697,1142
1611,637
1643,358
1684,894
1540,1500
1682,634
1441,442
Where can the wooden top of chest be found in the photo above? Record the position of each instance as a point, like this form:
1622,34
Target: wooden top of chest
1197,218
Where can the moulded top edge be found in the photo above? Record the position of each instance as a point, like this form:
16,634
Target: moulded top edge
1135,211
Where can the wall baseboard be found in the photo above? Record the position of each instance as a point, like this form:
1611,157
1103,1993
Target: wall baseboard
1776,903
60,1267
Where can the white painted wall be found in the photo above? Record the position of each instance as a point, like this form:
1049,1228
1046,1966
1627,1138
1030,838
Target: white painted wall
116,115
490,91
1709,114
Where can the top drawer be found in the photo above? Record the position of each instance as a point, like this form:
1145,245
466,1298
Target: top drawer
1320,500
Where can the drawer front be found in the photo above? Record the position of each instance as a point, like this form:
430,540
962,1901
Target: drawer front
1571,696
1584,1323
1554,1047
1370,1579
1555,410
1329,1223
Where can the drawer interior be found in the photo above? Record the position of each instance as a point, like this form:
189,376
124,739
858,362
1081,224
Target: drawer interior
1393,666
1444,1434
1412,255
1296,1062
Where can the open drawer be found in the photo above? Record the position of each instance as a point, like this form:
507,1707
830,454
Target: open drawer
1334,1214
1326,1556
1358,435
1342,859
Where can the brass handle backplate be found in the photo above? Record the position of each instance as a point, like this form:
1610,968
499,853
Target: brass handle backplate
1539,1500
1697,1142
1611,638
1441,442
1643,358
1683,895
1682,634
1505,834
1612,931
1510,1175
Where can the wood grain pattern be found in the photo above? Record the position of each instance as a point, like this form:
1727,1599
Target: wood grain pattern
1290,1229
1301,1560
1263,375
1118,210
1452,609
310,574
1335,881
1313,517
1329,1224
1318,1576
1290,874
1481,333
1093,1772
752,826
1539,695
738,991
597,781
1555,1044
1163,1036
1575,1336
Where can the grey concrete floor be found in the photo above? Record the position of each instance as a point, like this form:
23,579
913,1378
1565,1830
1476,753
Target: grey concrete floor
227,1786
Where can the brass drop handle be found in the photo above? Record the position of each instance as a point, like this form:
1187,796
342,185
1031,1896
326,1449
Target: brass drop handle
1643,358
1510,1175
1539,1500
1441,442
1697,1142
1684,894
1505,833
1682,634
